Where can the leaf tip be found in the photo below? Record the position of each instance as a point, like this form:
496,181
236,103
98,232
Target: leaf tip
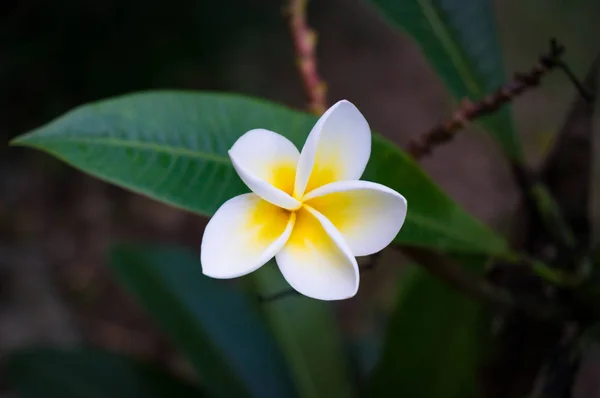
20,140
17,141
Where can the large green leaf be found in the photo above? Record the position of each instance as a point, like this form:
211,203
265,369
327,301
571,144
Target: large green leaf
459,39
434,342
54,373
307,332
215,326
172,146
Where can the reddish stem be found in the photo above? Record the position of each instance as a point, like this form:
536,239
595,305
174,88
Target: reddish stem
469,111
305,41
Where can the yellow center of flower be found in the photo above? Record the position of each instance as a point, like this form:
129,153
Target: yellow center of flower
283,177
320,176
326,169
268,221
309,238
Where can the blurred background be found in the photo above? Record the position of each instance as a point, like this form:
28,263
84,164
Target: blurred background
56,223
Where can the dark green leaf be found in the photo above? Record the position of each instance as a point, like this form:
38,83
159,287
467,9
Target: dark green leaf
216,326
434,342
53,373
307,332
172,146
458,37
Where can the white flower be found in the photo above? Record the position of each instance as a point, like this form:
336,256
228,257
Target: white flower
308,210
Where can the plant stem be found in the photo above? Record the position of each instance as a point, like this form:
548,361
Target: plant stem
544,206
470,111
556,277
305,40
479,288
551,214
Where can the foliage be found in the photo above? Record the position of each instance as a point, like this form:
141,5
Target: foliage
459,39
172,146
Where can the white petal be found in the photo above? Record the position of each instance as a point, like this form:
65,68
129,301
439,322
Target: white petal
243,235
266,162
337,148
316,261
368,215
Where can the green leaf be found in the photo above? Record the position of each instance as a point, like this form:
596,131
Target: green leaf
216,326
172,146
459,39
434,342
54,373
308,334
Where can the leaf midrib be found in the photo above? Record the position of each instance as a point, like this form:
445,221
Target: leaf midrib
415,218
450,46
117,142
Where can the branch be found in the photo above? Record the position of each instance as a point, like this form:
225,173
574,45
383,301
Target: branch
470,111
479,288
470,284
305,40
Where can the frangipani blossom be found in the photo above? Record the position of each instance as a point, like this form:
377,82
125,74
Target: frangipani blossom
308,210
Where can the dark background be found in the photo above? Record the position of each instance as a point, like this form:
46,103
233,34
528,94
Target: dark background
55,223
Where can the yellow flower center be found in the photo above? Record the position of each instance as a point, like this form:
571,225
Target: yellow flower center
269,220
283,177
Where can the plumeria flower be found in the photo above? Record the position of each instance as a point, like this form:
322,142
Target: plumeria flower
307,209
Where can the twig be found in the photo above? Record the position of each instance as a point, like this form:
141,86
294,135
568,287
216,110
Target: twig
583,91
470,111
557,195
472,285
556,277
481,289
542,205
305,40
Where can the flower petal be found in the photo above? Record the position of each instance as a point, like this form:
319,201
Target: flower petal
243,235
266,162
337,148
316,261
368,215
